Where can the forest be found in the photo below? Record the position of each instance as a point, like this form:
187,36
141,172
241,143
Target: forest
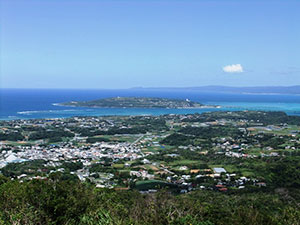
58,201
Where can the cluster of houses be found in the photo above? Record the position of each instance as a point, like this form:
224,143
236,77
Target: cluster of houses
62,152
91,153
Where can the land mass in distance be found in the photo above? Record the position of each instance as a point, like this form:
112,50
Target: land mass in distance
227,89
137,102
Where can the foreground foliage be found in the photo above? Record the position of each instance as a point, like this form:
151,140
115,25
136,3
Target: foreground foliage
64,202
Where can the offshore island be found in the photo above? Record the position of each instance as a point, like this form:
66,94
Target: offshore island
138,102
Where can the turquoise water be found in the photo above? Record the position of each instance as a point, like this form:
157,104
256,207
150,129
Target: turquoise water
30,104
291,108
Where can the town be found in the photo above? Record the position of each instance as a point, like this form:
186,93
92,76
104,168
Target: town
219,151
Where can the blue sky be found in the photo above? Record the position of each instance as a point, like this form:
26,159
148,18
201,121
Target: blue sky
122,44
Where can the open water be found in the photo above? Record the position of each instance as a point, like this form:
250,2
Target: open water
40,103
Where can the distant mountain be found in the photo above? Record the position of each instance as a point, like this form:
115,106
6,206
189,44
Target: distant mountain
226,89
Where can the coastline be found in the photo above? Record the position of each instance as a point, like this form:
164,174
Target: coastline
26,104
112,107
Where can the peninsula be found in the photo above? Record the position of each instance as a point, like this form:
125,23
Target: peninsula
137,102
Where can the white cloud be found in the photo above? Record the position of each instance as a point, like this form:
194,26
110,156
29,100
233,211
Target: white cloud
234,68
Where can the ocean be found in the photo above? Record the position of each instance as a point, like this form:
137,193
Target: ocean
40,103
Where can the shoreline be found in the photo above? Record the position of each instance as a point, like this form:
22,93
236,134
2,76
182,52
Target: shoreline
32,115
112,107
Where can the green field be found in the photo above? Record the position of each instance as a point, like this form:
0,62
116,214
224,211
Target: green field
118,166
120,138
185,162
152,184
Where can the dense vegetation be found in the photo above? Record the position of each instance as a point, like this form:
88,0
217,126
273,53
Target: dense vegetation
11,136
70,202
56,134
134,102
31,167
211,132
197,135
136,125
264,118
62,199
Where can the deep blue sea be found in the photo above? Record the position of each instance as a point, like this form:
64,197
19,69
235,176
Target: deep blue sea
35,103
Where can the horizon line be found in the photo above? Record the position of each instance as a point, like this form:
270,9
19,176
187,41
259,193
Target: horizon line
142,87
